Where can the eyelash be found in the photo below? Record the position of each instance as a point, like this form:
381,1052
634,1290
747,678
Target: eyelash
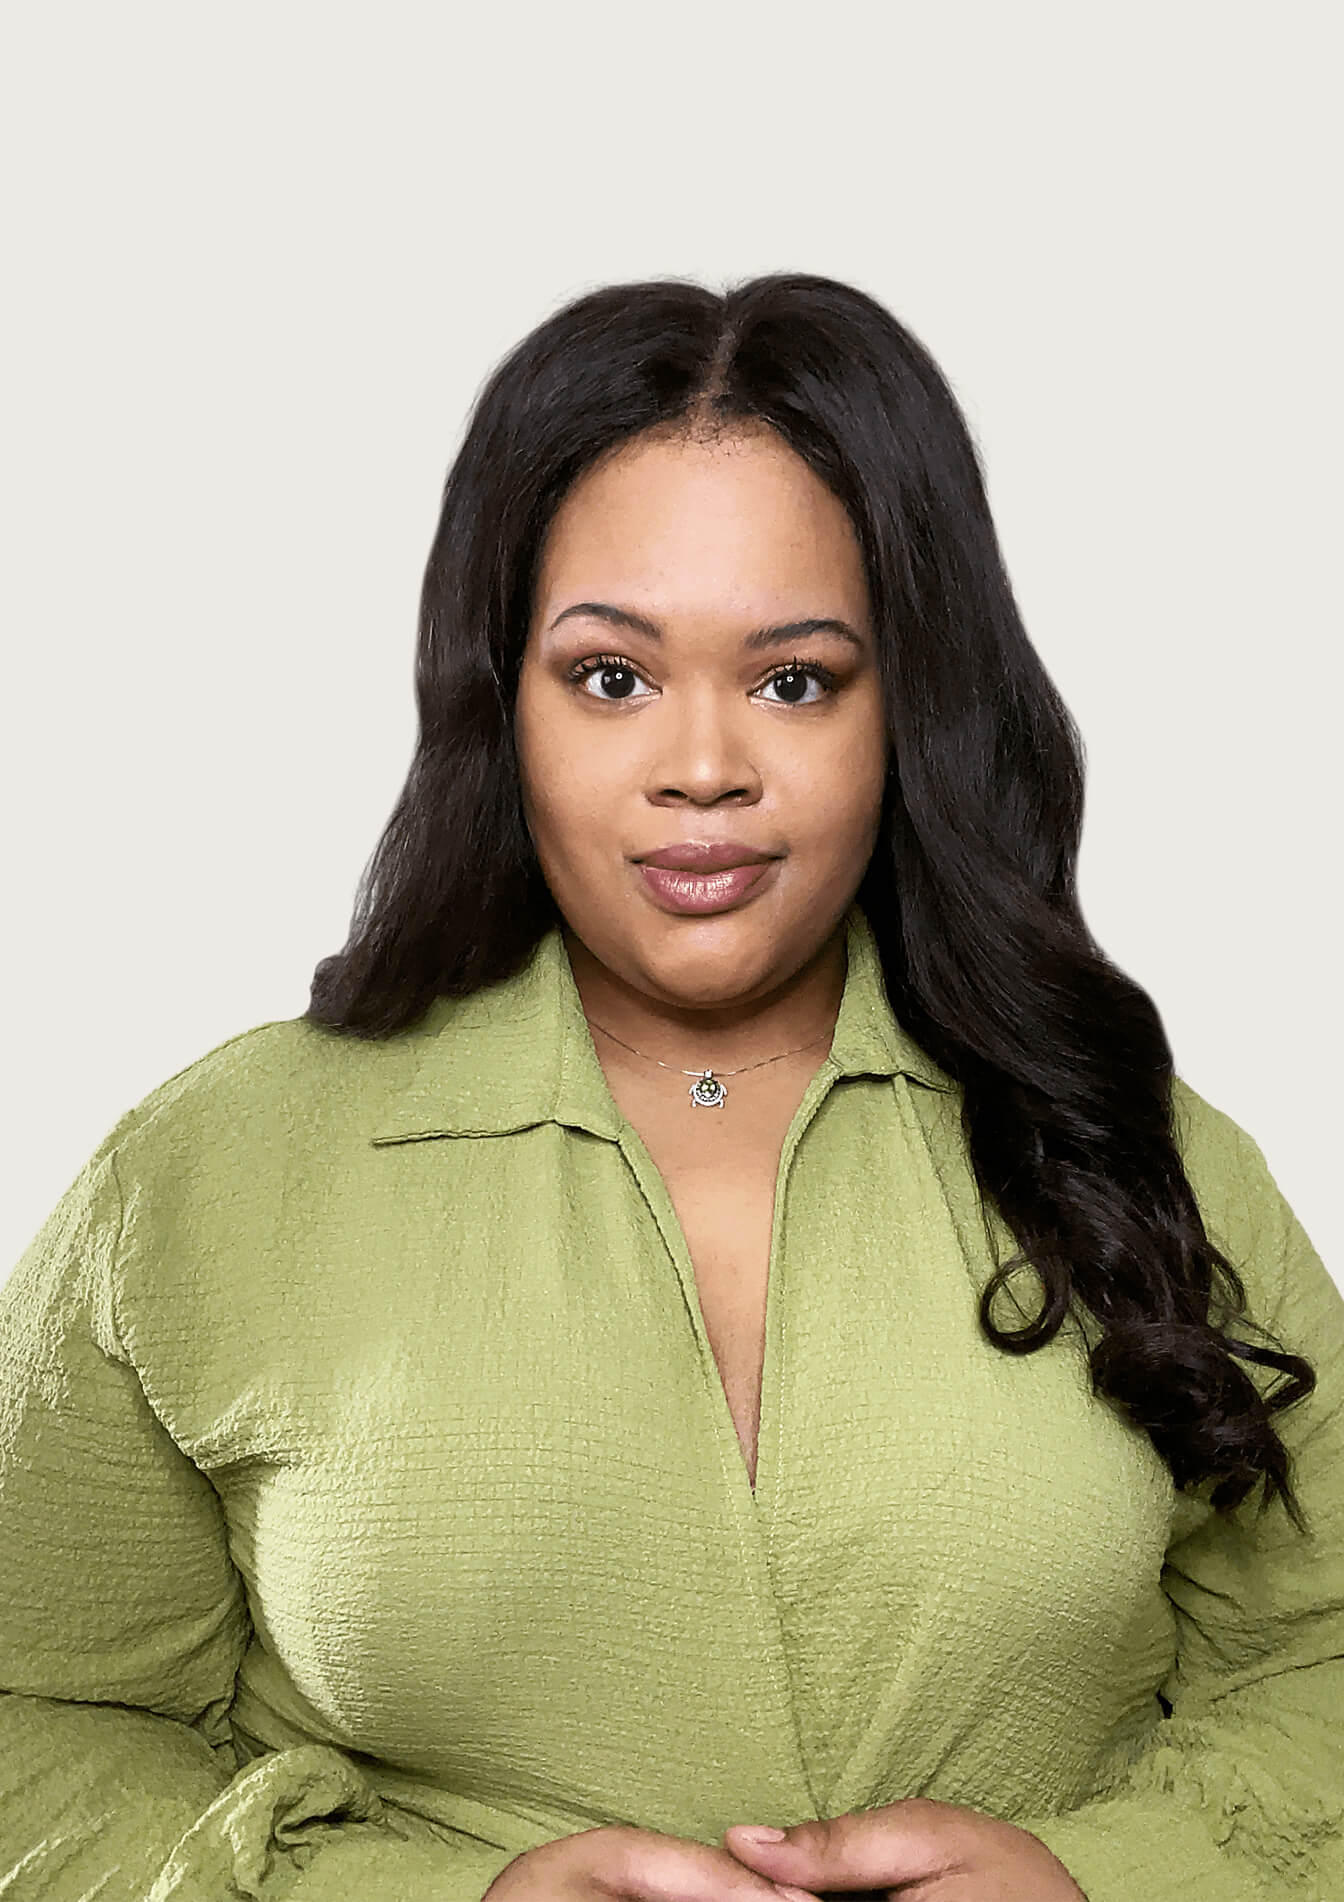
581,669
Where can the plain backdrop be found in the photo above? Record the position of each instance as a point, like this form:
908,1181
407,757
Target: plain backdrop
259,261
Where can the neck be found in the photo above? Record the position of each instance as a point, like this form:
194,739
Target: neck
759,1020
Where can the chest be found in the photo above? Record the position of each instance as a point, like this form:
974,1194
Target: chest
726,1219
498,1508
722,1182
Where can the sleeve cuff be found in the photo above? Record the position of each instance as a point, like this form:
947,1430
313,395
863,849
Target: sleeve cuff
303,1825
1124,1851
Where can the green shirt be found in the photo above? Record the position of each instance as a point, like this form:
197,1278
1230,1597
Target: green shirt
371,1509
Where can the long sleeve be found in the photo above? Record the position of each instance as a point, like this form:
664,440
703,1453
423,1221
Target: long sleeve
123,1622
1238,1794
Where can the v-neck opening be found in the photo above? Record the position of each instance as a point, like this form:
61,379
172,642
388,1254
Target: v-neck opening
760,1494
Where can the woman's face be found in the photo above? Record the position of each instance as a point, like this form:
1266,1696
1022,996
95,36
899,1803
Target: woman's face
697,735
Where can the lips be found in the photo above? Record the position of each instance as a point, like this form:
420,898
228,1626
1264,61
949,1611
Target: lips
680,891
719,855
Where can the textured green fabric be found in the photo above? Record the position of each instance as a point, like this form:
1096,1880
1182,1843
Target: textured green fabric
371,1510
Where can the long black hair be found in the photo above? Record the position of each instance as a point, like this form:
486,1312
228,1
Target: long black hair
1063,1063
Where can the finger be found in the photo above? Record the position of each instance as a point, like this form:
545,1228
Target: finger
909,1841
657,1868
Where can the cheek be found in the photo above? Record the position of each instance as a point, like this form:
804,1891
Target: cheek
568,812
548,761
576,774
843,785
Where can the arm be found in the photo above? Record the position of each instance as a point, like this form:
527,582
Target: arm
1238,1795
123,1622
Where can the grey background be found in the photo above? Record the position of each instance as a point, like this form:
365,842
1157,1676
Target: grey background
260,261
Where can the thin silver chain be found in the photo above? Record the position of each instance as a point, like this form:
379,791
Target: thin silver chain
738,1072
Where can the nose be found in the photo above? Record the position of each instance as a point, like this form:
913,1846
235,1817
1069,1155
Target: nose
701,747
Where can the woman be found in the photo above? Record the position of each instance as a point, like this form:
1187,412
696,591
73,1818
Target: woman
575,1393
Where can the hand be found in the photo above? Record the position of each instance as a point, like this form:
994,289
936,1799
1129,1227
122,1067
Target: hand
954,1853
621,1863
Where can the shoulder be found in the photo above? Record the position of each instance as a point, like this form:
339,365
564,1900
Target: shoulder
224,1134
257,1095
1215,1152
1245,1212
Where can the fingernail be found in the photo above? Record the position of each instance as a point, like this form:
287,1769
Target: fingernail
764,1834
794,1895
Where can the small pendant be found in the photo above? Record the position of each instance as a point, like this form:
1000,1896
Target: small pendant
707,1092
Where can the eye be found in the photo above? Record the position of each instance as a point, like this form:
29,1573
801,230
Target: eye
601,664
617,664
806,670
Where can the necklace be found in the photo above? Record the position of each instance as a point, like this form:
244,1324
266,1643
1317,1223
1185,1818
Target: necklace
707,1092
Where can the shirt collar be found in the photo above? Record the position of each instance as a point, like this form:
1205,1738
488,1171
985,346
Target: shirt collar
519,1051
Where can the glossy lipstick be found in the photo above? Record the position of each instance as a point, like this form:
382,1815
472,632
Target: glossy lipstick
703,891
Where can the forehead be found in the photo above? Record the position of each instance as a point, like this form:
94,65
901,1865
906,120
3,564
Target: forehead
701,520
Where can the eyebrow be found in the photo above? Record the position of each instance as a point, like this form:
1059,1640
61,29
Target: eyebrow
777,636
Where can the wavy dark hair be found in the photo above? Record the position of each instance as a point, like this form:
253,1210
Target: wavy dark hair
1064,1066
